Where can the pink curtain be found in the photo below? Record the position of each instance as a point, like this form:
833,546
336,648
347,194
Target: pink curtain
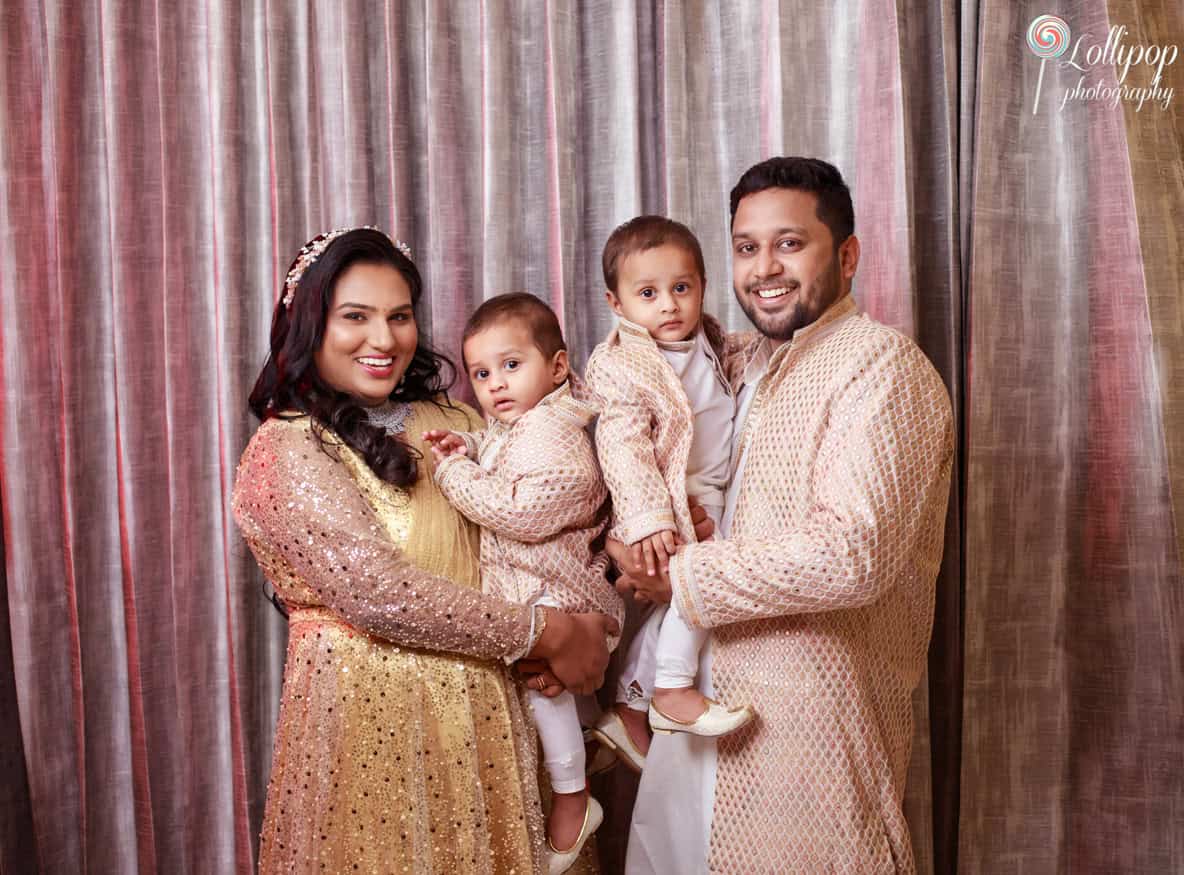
160,164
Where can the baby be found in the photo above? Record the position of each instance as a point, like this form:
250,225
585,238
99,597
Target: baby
531,481
664,434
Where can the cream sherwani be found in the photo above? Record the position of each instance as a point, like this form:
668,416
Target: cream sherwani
537,495
645,431
821,600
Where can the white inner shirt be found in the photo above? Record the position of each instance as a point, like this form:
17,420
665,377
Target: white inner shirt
712,408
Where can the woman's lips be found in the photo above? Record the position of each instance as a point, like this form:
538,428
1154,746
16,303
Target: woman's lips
374,368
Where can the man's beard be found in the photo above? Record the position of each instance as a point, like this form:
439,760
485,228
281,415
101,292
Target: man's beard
809,305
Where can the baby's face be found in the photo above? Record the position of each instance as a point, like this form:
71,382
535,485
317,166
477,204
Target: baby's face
661,290
510,375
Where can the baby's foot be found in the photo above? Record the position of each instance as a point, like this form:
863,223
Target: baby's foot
637,724
564,842
687,710
567,819
684,704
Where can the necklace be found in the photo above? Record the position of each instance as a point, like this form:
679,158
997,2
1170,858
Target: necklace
389,417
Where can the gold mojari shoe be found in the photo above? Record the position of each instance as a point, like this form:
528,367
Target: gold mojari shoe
611,732
601,761
715,721
559,862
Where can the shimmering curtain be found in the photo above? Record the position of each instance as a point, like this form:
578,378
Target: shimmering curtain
1074,664
160,164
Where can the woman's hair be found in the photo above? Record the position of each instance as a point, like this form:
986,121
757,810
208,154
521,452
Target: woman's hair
289,382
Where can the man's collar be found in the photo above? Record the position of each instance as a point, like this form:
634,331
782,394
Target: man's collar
839,310
765,357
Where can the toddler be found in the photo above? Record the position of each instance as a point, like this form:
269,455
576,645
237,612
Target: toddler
531,481
664,434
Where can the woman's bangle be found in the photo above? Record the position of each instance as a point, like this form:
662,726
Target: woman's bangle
538,625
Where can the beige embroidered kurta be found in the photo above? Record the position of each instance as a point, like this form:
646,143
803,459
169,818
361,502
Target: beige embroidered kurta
821,599
401,743
539,499
644,433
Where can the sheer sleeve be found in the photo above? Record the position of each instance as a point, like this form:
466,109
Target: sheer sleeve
303,517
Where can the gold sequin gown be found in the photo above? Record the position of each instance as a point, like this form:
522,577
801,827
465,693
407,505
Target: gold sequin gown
401,744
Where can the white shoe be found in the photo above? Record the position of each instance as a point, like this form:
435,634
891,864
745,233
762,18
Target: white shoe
611,732
604,758
559,862
715,721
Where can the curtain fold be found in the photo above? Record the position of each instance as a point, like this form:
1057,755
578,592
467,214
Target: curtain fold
1073,705
160,164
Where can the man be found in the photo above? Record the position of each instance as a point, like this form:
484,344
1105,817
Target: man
820,593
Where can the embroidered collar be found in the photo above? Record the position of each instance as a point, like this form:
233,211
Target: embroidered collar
764,357
631,334
569,399
824,324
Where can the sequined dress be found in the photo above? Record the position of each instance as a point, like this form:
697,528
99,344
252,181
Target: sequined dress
401,744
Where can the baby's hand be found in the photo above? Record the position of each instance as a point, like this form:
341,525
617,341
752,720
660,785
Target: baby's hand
445,444
655,551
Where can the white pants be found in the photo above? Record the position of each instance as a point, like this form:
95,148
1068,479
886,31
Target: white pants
558,723
664,652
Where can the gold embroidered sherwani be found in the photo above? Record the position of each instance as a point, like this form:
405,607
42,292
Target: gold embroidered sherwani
539,499
644,433
821,598
401,743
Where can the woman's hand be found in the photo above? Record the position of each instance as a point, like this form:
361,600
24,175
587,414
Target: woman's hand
574,646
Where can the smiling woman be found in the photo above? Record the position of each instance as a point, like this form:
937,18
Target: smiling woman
370,333
398,719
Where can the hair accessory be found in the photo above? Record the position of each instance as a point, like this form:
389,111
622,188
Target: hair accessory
315,248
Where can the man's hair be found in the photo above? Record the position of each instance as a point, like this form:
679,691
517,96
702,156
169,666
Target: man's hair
803,174
539,319
641,234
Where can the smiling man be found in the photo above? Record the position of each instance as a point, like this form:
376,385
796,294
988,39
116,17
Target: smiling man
819,595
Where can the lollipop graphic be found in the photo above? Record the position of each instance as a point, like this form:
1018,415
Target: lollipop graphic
1048,37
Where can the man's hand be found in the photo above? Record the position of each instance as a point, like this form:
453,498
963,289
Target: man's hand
575,649
704,525
646,588
535,674
635,580
655,551
445,444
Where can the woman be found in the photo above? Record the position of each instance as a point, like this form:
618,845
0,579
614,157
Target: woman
401,744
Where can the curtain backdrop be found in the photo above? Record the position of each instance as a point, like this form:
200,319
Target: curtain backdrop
161,163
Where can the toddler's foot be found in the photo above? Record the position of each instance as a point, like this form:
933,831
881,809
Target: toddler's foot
637,724
626,734
687,710
574,817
